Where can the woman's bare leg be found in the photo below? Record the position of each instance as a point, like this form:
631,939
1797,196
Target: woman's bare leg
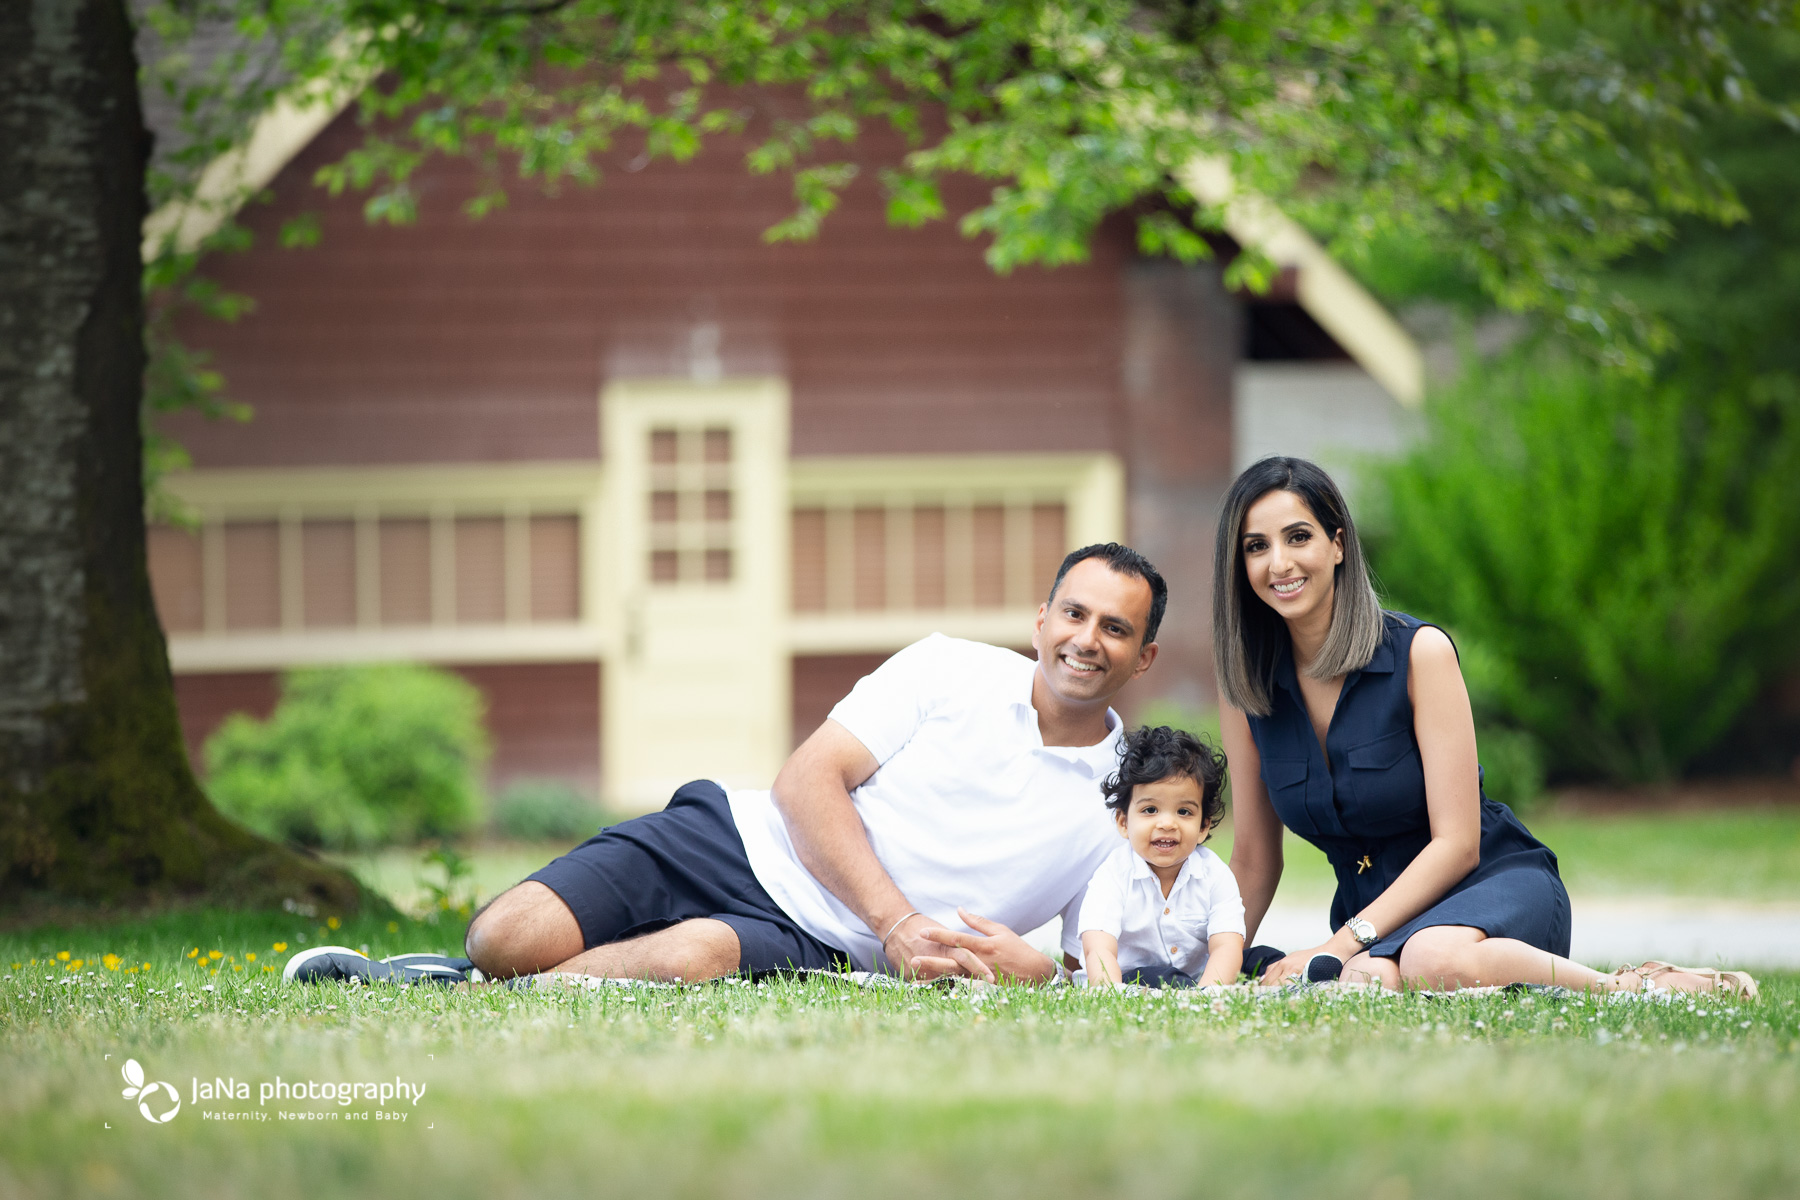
1362,969
1452,956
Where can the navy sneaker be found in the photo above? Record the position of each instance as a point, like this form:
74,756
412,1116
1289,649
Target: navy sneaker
326,964
438,964
1322,968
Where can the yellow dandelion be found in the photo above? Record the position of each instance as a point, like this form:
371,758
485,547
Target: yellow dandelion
62,956
215,954
131,970
214,971
393,927
280,946
239,967
268,968
76,965
194,953
333,922
250,956
146,966
111,962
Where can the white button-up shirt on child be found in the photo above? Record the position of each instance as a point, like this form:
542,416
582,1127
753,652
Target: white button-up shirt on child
1124,898
968,806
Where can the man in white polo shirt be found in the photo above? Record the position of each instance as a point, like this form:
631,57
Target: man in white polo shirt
950,800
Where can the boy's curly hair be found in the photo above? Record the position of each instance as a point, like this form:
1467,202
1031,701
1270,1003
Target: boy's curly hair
1148,754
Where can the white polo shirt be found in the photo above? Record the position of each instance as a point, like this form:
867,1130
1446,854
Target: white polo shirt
968,806
1124,898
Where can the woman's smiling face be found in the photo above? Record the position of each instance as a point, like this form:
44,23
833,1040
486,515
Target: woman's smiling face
1288,559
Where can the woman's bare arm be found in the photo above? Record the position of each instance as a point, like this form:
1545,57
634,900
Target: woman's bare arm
1255,829
1444,725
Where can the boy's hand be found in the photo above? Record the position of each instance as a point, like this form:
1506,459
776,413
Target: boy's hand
995,954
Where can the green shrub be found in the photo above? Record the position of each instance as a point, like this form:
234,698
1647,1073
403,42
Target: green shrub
355,757
1512,766
1615,557
544,810
1201,722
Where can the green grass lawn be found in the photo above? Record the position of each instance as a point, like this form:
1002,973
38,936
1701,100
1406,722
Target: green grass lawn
817,1089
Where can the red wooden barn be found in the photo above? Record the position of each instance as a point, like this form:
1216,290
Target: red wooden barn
663,491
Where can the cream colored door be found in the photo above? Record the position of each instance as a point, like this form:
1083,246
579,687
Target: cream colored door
695,564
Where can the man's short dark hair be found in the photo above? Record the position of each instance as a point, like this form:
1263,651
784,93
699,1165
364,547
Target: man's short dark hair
1148,754
1125,561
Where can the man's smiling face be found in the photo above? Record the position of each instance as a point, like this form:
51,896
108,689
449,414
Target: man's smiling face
1090,636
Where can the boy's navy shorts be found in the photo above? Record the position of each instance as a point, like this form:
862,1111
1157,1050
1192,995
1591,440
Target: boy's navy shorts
684,862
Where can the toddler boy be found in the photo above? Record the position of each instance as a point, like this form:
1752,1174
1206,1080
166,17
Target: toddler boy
1163,909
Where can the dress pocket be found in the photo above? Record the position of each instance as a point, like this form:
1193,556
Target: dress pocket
1381,753
1387,780
1285,778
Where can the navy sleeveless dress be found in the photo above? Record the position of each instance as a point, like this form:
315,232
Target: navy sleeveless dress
1363,803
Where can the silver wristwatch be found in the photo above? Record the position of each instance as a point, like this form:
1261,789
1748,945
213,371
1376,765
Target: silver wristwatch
1362,931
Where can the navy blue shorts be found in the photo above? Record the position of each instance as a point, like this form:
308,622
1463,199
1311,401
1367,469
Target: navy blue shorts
684,862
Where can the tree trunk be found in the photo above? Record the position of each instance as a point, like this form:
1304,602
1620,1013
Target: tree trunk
97,800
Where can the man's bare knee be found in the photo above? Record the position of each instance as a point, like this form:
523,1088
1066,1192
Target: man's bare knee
700,948
526,929
695,949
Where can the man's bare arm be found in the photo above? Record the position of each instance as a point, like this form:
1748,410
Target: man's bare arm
812,792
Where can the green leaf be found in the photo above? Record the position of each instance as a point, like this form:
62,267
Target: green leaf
299,231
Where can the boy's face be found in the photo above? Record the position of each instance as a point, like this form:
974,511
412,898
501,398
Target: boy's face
1163,821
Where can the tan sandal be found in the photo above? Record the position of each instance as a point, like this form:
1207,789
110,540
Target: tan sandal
1732,983
1645,975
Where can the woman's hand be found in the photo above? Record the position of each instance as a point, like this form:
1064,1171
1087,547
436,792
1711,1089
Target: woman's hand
1293,966
1341,946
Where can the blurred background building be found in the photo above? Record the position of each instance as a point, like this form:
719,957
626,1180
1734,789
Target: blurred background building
664,491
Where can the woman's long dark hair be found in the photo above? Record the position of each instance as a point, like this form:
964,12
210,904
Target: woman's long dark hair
1247,634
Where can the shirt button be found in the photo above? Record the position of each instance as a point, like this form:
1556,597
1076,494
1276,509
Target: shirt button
1165,912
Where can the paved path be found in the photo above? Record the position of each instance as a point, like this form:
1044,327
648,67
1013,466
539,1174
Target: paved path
1608,932
1614,931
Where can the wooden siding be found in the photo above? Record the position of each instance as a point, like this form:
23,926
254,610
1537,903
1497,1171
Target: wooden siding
820,681
459,341
898,557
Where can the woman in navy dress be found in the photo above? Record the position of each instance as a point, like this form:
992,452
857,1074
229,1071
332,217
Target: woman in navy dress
1351,726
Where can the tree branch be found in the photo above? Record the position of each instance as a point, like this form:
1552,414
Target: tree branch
503,10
